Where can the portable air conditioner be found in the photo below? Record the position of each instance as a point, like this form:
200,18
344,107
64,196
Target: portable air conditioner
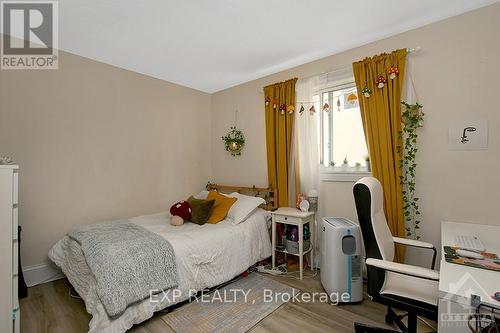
341,269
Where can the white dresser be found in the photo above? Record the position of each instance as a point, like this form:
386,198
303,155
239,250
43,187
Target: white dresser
9,303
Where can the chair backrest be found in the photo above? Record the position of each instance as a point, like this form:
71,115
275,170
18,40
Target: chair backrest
369,199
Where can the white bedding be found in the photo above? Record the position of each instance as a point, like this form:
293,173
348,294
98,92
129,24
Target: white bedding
206,256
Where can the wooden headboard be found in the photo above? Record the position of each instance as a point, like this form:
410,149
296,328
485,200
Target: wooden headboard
268,194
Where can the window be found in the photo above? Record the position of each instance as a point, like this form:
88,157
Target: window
341,128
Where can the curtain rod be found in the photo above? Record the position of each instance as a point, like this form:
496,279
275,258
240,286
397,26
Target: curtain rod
342,69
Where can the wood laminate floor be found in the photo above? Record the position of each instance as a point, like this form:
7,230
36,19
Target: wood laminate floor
50,309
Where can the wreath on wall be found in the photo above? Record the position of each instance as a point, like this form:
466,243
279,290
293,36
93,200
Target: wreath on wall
234,141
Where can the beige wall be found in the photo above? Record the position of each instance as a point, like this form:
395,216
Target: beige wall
457,77
95,142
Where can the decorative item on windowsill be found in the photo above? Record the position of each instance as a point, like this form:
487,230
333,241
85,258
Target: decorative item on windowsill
282,108
4,160
357,166
381,81
268,101
366,91
368,165
326,107
274,105
345,164
234,140
301,111
393,72
312,110
290,109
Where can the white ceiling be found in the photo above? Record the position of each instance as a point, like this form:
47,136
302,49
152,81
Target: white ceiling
211,45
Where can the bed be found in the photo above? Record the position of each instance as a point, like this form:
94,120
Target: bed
206,256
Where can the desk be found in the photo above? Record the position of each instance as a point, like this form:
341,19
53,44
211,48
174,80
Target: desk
458,282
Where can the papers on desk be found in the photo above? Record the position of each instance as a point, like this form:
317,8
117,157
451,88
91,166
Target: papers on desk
490,261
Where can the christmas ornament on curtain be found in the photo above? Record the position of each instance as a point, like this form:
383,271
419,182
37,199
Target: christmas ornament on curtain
338,104
282,108
393,72
381,81
290,109
366,91
301,109
312,110
326,107
268,101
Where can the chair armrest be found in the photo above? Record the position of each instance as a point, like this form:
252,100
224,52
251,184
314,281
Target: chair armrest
404,269
412,242
419,244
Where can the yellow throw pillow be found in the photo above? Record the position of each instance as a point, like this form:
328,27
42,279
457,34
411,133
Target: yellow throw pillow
221,206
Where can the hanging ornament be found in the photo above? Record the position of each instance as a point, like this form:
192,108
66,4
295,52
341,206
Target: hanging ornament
290,109
352,98
301,109
326,107
381,81
393,72
312,110
282,108
366,91
234,141
268,101
338,104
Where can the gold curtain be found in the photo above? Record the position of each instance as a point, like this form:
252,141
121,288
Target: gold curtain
279,135
381,116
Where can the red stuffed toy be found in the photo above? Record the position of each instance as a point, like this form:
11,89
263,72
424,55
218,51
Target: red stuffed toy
181,209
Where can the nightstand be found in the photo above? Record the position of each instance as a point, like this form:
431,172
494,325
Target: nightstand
292,216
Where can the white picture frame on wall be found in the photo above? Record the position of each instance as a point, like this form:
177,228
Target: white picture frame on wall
468,135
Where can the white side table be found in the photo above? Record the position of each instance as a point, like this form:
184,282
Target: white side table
298,218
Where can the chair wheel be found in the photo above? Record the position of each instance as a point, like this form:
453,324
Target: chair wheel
389,319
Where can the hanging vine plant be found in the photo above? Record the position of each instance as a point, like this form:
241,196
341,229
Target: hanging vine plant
234,141
412,119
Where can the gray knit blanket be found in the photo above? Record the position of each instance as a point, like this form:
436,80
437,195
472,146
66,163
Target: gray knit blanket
128,262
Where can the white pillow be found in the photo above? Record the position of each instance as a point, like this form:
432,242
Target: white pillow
243,207
202,195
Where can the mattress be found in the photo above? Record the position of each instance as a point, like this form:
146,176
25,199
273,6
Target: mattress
206,256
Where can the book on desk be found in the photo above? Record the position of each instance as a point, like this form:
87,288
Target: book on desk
490,260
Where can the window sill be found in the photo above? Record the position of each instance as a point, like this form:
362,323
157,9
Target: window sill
340,174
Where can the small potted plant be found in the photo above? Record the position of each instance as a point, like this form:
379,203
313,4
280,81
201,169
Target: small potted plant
368,165
357,166
345,164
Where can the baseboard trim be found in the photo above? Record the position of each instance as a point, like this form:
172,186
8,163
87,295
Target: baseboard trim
41,273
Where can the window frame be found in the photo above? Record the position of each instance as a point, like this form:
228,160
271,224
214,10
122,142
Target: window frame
336,173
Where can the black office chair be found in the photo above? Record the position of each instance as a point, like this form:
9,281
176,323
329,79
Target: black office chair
409,288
